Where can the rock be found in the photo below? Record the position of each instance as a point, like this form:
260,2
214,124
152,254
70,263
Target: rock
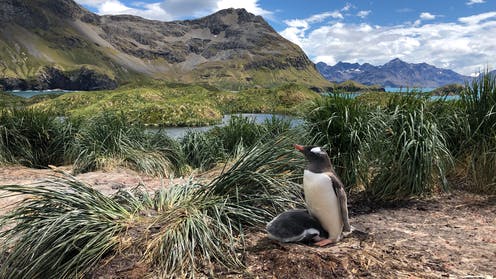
10,84
53,78
86,79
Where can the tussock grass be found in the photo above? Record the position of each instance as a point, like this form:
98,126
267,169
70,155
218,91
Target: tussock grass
481,170
60,230
262,175
184,232
204,149
238,131
64,228
32,138
394,151
108,140
408,158
479,101
339,123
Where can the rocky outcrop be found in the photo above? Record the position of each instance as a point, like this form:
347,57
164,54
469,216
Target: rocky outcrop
53,78
86,79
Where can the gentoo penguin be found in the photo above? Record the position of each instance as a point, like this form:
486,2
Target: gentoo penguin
324,194
296,225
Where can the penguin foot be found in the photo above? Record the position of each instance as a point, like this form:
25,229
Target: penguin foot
350,231
324,242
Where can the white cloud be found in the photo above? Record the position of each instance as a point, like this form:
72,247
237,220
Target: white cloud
471,2
363,14
476,19
427,16
462,46
297,27
112,7
173,9
116,7
323,16
347,7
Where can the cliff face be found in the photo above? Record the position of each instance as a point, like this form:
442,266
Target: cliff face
229,48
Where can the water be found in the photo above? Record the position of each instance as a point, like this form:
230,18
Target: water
447,98
409,89
179,132
31,93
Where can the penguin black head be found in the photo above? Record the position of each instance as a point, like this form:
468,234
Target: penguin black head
318,159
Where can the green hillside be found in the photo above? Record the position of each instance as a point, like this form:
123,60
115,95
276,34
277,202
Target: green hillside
163,104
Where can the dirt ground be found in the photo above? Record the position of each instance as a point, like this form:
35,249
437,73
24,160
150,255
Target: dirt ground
451,235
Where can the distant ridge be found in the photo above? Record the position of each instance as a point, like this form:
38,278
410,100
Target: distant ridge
395,73
58,44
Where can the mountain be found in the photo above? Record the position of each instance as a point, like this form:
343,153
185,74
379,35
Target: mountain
58,44
395,73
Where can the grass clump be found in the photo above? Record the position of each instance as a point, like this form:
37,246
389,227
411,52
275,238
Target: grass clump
338,123
394,151
204,149
10,100
108,140
407,158
33,138
64,228
60,230
478,150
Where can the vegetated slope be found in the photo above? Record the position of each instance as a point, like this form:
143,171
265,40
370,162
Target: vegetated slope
56,43
163,104
395,73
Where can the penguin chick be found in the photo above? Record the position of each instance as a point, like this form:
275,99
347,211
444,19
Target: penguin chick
296,226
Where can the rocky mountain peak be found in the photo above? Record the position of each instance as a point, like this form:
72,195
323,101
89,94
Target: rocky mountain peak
395,73
396,62
39,13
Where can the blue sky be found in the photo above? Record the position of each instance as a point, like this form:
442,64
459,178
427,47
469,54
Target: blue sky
454,34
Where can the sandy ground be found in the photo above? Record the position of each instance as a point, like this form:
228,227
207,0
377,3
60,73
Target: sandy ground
451,235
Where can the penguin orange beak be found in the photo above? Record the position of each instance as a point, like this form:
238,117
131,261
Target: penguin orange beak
299,147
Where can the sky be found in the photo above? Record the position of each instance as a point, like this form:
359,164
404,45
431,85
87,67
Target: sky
452,34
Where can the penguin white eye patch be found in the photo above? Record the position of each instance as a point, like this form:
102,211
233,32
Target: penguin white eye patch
317,150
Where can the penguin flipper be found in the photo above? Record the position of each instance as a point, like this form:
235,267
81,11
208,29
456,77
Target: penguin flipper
343,201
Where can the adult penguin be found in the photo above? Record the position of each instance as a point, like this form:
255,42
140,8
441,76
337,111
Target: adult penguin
324,194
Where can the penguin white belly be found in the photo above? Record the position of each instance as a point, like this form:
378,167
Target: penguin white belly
323,202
